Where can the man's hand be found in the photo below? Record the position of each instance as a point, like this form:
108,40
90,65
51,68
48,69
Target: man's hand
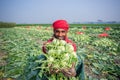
53,71
69,72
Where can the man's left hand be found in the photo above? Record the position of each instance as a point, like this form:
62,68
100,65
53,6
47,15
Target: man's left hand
52,70
69,72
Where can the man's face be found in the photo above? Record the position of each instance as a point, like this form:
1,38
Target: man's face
60,34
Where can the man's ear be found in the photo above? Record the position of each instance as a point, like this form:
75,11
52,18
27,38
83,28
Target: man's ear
53,30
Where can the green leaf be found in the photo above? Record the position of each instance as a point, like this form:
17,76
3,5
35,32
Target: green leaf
95,71
96,64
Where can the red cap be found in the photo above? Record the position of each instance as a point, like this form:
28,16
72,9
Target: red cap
61,24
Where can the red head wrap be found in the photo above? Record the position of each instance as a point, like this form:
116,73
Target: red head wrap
61,24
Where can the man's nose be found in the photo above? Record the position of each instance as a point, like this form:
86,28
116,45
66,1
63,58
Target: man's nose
60,34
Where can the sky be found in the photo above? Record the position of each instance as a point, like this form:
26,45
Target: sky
47,11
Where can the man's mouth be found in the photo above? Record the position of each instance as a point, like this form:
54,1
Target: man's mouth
61,38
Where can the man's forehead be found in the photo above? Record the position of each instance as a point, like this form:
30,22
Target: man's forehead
60,29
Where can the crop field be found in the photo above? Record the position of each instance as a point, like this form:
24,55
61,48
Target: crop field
99,47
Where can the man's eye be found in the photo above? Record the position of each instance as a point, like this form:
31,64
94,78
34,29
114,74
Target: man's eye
63,31
57,31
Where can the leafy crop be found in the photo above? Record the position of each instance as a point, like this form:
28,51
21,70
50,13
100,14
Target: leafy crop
23,46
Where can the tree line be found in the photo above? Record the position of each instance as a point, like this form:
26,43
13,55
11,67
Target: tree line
7,24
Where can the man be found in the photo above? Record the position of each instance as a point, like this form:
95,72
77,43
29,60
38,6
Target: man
60,29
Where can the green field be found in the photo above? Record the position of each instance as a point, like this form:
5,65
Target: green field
20,46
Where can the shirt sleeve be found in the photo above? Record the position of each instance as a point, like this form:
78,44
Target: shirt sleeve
44,49
44,45
74,45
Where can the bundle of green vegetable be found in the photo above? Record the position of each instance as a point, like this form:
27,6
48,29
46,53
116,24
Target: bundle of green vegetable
60,55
